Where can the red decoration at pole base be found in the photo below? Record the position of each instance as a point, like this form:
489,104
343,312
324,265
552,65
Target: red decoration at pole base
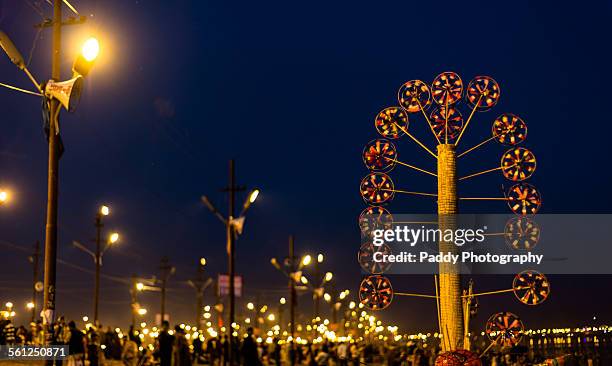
460,357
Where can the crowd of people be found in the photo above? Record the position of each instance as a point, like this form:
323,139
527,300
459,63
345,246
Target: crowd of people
97,346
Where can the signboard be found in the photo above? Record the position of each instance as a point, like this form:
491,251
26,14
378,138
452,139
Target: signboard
223,285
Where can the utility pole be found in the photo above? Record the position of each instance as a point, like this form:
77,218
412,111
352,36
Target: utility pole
52,183
317,298
165,271
133,299
293,297
231,239
34,260
199,284
232,225
98,224
230,247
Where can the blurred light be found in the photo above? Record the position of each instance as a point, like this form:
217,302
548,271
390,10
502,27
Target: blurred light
306,260
327,297
250,306
140,286
9,304
30,305
320,258
253,195
271,317
114,237
90,49
202,261
283,301
142,311
3,196
85,318
304,280
104,210
329,276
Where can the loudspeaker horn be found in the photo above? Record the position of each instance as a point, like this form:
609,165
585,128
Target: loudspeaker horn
66,92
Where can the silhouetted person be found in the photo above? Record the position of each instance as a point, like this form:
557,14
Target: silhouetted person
249,350
165,343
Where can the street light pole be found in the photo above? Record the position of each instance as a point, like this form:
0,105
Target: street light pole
230,247
166,270
34,260
98,225
317,298
52,183
232,225
293,297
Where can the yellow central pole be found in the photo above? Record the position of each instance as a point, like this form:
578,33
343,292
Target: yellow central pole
451,309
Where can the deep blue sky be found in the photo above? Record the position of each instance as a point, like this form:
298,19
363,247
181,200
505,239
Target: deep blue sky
290,90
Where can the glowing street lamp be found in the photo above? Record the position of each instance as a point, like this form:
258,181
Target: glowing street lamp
90,49
4,196
282,301
250,306
113,238
85,60
329,276
142,311
202,261
306,260
320,258
140,286
30,305
104,210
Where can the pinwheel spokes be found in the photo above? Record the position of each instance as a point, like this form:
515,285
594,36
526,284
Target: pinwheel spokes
524,199
522,233
509,129
446,122
482,93
377,188
391,122
380,155
375,292
366,254
374,218
518,164
447,89
531,287
505,328
414,96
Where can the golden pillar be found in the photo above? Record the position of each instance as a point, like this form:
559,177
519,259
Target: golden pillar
451,310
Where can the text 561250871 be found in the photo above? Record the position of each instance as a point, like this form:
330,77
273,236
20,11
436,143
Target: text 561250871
25,353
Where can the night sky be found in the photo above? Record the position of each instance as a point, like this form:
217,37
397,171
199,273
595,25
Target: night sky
290,90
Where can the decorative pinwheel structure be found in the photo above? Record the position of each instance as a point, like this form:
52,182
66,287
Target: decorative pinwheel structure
438,103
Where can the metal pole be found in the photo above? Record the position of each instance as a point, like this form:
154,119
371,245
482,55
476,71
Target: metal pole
52,185
317,298
293,300
199,295
35,277
98,224
165,269
134,300
230,247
